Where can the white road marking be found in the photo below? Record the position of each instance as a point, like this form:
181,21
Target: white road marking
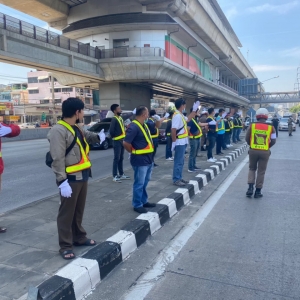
157,270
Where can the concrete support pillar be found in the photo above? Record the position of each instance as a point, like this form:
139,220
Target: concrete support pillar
127,95
3,43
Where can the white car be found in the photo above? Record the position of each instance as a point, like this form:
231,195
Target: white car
26,125
283,124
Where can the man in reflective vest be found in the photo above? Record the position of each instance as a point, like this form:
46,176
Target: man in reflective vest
169,154
8,131
139,143
260,137
220,132
195,133
117,133
72,172
153,123
227,135
180,135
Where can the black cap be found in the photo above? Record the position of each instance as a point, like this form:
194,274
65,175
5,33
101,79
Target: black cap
179,102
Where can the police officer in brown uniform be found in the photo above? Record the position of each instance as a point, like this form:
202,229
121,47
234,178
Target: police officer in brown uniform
260,137
290,126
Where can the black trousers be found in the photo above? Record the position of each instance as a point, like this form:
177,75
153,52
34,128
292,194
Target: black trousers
211,138
118,158
220,138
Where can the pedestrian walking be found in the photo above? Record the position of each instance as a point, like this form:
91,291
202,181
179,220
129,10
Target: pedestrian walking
8,131
69,149
117,132
260,136
290,126
139,143
195,133
179,135
169,154
154,122
220,132
275,122
211,135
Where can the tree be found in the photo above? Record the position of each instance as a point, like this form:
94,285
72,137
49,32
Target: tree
295,108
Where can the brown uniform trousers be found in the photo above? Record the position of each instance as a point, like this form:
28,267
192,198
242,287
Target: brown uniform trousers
258,161
70,217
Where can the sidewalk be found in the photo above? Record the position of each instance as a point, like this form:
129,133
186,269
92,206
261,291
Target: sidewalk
29,250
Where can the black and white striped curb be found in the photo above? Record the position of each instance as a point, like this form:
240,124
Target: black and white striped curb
82,275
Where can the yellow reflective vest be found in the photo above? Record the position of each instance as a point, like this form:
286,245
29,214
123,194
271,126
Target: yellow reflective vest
157,131
122,135
191,136
85,161
149,148
260,136
185,133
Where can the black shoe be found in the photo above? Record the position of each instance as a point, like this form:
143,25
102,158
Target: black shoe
148,204
258,193
202,149
249,193
184,181
155,165
141,210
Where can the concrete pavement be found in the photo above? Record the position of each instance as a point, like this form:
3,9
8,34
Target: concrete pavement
245,249
29,250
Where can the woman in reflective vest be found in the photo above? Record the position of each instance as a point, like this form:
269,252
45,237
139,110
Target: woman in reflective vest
260,137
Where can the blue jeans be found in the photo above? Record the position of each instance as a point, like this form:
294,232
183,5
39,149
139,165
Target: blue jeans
178,162
194,146
239,130
234,133
169,147
142,176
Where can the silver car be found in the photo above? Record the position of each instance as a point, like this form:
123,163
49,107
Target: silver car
283,124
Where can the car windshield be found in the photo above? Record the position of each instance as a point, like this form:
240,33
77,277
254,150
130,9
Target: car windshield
284,120
99,126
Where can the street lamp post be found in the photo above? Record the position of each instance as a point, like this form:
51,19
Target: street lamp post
260,84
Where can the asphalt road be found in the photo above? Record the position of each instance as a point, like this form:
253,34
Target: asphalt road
239,248
27,179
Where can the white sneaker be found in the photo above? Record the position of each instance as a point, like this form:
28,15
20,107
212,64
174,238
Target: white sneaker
191,171
211,160
228,146
170,159
214,159
124,177
117,179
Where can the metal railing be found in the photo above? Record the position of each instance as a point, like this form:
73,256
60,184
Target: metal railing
46,36
228,88
55,39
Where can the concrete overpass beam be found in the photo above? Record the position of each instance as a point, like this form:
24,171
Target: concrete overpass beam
47,10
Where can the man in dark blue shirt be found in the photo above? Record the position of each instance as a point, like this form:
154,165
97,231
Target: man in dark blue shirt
138,142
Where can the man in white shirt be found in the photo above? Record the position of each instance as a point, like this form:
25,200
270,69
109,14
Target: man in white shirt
179,134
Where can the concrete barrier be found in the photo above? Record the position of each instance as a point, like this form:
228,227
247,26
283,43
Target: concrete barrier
29,134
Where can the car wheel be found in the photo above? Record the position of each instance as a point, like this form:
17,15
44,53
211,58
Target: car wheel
105,145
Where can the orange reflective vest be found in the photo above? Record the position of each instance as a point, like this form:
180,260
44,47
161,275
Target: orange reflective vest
185,133
85,161
149,148
260,136
122,135
191,136
157,131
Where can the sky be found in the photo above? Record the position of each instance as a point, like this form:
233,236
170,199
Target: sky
268,31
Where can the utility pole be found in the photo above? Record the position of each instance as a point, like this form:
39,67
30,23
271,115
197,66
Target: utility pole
53,99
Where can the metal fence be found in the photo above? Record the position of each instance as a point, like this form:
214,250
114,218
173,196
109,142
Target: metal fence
46,36
49,37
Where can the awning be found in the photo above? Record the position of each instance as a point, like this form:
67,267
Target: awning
32,88
50,98
43,77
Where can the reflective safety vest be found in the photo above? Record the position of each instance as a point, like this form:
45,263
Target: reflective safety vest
154,136
222,125
85,161
166,121
149,148
239,123
185,133
229,128
0,154
191,136
260,136
231,124
122,135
